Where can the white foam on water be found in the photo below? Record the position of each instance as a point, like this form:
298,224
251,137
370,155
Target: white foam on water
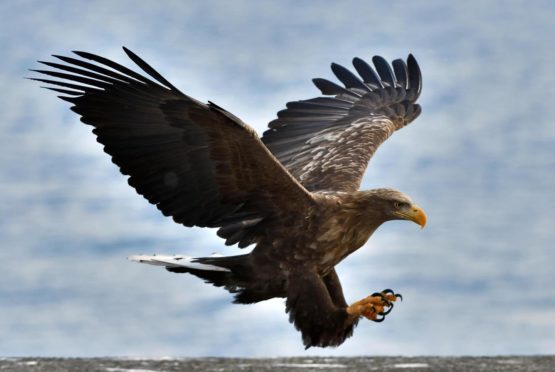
509,361
302,365
29,363
411,365
117,369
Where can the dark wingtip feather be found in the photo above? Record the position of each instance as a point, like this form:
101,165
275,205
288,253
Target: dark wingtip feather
415,75
327,87
76,87
39,71
34,79
67,99
64,91
59,56
82,54
148,69
367,73
347,77
401,74
384,70
113,65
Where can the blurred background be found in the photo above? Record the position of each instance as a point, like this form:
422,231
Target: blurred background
480,160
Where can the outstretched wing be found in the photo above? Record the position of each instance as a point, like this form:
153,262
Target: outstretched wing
327,142
196,162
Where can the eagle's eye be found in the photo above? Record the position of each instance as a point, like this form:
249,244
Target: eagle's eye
399,205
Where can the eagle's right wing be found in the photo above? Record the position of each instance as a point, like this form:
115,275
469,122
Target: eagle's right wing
327,142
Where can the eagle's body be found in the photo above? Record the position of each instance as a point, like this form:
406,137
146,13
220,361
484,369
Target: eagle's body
336,226
293,193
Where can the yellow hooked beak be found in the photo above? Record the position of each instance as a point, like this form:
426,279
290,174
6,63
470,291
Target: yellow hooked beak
416,215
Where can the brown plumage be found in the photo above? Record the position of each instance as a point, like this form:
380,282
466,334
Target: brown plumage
293,193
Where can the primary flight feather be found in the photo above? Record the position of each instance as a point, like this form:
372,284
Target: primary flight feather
293,192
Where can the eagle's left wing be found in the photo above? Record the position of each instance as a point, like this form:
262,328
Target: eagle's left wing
327,142
196,162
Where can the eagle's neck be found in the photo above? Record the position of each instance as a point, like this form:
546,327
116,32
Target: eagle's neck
346,223
360,231
367,209
366,212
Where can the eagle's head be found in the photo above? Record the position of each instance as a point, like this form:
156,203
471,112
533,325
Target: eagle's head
391,204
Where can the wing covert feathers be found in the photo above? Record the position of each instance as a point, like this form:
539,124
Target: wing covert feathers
327,142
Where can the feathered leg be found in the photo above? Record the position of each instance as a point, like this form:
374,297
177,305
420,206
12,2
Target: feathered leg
313,311
334,288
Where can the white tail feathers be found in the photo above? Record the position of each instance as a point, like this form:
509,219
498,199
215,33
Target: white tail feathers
176,261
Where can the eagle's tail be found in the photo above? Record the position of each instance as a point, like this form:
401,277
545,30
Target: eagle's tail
230,272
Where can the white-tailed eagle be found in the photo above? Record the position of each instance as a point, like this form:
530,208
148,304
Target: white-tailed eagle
293,192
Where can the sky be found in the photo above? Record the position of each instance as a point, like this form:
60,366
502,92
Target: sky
480,160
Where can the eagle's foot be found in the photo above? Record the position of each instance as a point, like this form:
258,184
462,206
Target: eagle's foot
376,306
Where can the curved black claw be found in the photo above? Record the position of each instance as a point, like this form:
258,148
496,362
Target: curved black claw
390,291
378,294
379,320
384,313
